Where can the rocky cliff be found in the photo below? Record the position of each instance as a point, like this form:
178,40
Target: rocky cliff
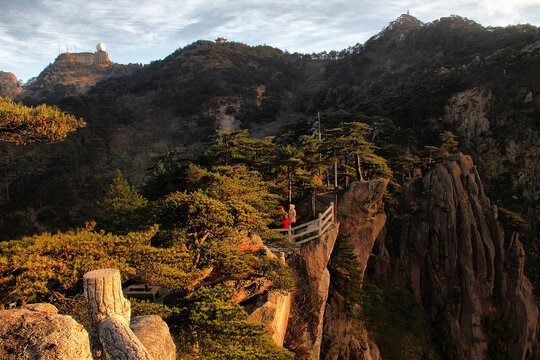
499,129
309,263
360,222
446,242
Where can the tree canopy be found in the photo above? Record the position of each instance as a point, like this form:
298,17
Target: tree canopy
21,124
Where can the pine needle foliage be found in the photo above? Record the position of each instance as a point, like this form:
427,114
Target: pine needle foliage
21,124
124,209
221,330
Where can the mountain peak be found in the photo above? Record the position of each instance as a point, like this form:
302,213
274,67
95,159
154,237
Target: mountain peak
398,29
405,22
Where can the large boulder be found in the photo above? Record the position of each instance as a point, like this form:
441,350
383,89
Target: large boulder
39,332
154,334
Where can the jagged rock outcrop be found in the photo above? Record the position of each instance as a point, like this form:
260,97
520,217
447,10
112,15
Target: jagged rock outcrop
273,311
309,264
447,243
467,111
119,342
358,208
361,222
39,332
246,289
112,331
271,308
520,312
104,298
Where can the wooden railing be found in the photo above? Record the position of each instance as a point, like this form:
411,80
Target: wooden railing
317,226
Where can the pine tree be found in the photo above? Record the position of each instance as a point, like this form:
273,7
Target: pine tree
314,164
433,155
232,148
288,171
449,145
124,208
21,124
341,143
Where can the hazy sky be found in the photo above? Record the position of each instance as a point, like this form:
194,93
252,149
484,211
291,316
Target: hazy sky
33,32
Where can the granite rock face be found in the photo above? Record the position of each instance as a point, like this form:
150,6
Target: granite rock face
309,263
273,310
361,222
154,334
39,332
447,243
270,308
500,130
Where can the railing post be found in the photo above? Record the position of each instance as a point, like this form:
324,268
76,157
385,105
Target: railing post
320,221
289,231
332,211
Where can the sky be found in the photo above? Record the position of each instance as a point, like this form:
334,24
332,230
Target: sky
34,32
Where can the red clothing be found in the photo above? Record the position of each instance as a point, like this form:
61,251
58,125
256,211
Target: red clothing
282,213
286,223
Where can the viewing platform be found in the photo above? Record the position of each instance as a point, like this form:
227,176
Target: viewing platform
316,228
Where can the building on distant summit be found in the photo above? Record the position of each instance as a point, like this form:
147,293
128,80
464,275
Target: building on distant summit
100,57
221,40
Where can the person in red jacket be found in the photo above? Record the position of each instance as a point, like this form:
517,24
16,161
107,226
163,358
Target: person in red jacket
282,212
286,223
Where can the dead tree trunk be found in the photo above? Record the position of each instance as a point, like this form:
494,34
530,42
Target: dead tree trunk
119,342
358,168
104,298
111,336
335,175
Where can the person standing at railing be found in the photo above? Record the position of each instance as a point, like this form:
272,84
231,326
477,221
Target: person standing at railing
286,222
283,217
282,213
292,214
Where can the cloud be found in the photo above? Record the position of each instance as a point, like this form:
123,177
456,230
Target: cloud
31,31
485,12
